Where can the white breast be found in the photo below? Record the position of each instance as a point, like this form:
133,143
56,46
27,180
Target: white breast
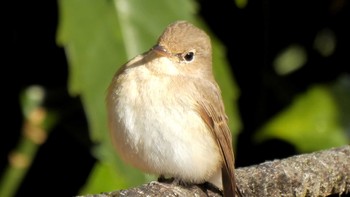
155,127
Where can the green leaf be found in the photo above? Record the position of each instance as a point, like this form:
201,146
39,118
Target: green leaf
108,177
311,123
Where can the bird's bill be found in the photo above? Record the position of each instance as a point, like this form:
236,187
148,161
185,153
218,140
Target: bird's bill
161,51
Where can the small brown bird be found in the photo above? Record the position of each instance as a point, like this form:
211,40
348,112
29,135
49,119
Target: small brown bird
166,114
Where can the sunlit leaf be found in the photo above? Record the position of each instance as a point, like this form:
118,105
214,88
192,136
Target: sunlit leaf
103,178
312,122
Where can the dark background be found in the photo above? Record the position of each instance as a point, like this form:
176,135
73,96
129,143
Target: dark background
253,36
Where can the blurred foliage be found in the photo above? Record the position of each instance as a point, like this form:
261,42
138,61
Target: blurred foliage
98,37
312,122
241,3
290,59
37,124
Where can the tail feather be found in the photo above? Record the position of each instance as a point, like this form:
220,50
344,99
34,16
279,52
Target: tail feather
230,186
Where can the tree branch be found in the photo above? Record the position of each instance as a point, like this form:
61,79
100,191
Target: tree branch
316,174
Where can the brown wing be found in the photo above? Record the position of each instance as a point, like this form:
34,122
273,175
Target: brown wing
211,109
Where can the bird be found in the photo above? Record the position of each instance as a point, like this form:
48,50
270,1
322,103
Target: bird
166,115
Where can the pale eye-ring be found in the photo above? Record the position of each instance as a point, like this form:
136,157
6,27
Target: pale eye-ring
189,56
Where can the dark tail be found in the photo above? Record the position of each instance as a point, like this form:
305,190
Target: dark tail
229,185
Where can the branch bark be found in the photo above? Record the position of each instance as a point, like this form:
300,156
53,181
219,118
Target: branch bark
316,174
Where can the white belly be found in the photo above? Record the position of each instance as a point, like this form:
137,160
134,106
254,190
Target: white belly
162,136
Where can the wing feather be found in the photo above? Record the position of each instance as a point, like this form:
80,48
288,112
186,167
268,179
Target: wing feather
211,110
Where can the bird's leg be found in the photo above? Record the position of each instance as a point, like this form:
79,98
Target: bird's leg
162,179
211,187
164,182
171,181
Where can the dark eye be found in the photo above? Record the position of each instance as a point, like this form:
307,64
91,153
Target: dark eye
189,56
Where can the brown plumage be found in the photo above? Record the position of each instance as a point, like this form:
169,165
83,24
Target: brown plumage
166,114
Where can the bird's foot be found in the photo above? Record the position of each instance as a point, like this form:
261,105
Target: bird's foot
172,181
211,187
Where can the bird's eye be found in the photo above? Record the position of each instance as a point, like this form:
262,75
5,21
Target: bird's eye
189,56
186,57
